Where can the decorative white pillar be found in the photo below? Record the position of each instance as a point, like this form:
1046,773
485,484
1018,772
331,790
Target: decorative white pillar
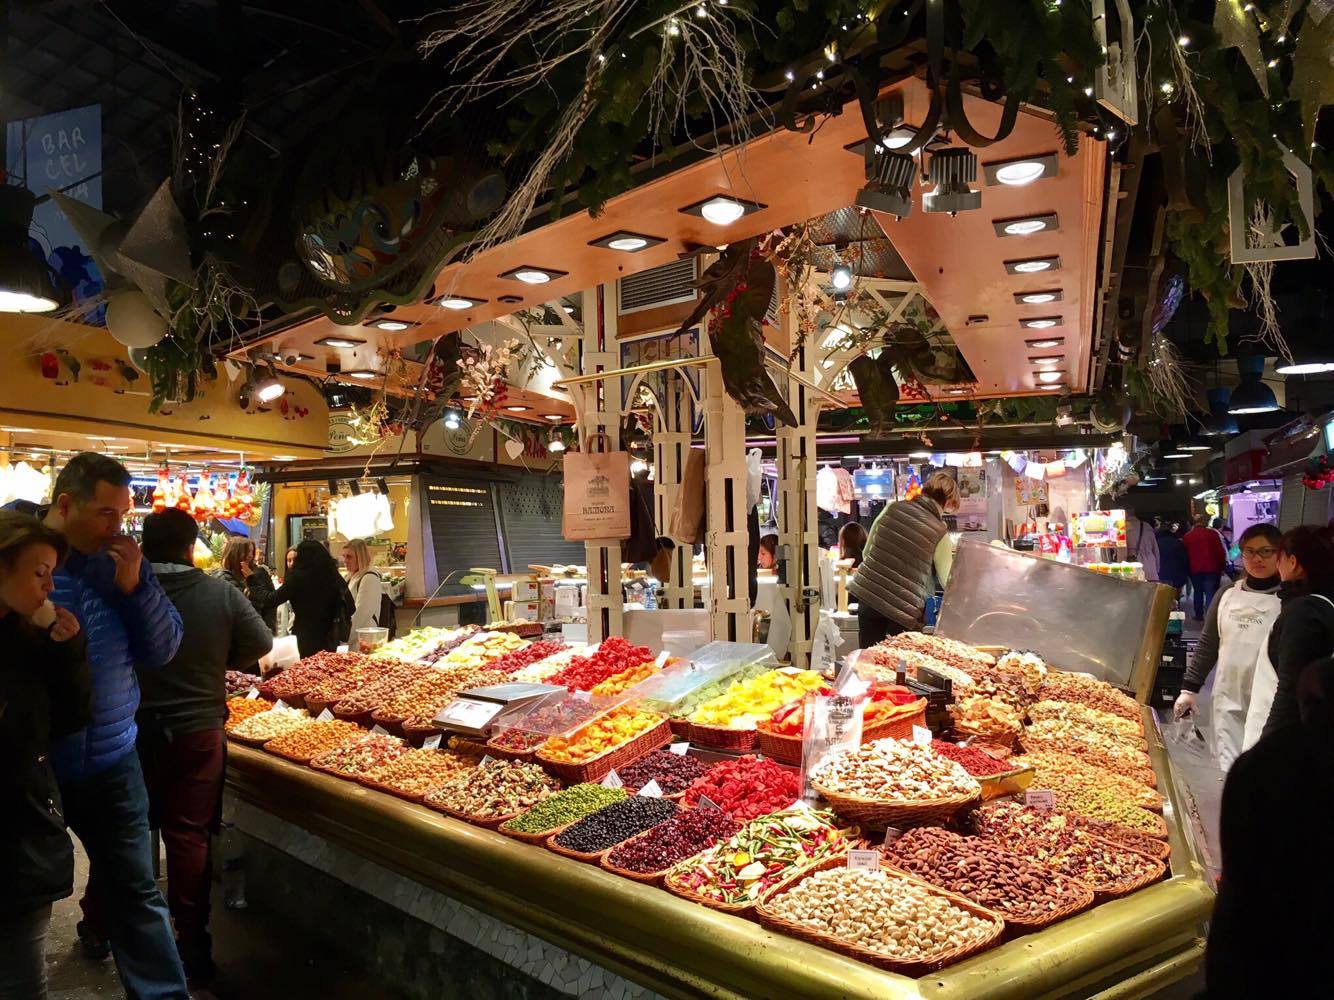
671,444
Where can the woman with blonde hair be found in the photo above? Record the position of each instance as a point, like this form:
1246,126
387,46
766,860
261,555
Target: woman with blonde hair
365,584
907,551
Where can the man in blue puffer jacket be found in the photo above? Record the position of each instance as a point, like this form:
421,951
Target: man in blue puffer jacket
127,619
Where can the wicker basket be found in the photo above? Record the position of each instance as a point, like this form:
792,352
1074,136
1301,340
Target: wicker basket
671,882
417,735
362,718
482,821
587,858
535,838
380,786
878,813
787,749
907,968
314,706
1103,893
1124,836
648,878
722,738
390,724
345,775
1002,743
597,768
680,728
251,741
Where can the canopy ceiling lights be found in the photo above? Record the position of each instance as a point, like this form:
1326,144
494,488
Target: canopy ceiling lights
627,242
1033,265
1050,359
951,171
1048,377
361,374
340,341
392,325
1040,322
1017,173
1043,343
889,184
1038,298
530,275
722,210
458,302
1025,225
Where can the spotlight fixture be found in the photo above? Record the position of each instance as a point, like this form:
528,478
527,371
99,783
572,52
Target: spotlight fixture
26,284
457,302
517,408
453,420
1049,359
1053,386
722,210
268,388
889,184
1017,173
627,242
530,275
1033,265
1177,454
1048,377
287,359
361,374
841,278
920,455
555,442
1040,323
1306,362
509,300
951,171
340,341
1219,422
392,325
1065,415
1040,298
1043,343
1025,225
1251,395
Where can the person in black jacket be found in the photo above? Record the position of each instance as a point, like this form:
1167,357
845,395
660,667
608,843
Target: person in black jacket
1304,629
242,571
182,709
44,693
322,605
1270,934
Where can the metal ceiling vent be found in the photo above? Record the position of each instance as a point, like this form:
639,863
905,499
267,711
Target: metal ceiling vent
658,286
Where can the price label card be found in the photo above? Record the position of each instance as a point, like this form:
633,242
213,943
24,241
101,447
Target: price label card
1040,798
583,695
252,694
487,759
922,735
612,780
680,749
865,860
707,803
789,670
342,648
324,716
650,791
380,730
662,658
432,742
892,833
280,704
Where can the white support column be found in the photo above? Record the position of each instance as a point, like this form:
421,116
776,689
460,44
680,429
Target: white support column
671,444
599,411
726,542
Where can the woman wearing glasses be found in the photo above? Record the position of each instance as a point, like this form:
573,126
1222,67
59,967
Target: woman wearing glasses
1236,629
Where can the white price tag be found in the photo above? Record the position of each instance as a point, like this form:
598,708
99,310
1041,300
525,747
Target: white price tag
707,803
486,759
662,658
342,648
922,735
865,860
892,833
680,749
432,742
252,694
324,716
790,670
380,730
280,704
650,791
583,695
612,780
1040,798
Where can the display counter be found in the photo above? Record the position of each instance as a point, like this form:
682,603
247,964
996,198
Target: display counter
1121,949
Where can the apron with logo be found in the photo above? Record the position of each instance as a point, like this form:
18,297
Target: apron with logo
1244,620
1262,693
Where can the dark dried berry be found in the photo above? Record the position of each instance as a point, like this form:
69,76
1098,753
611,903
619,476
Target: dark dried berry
619,821
683,836
673,772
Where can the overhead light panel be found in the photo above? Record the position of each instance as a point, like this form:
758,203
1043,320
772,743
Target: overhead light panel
1025,225
1049,376
530,275
457,302
722,210
1038,298
1023,171
362,374
392,325
340,341
1049,359
919,454
555,418
627,242
1040,322
517,408
1052,386
1177,454
1033,265
1306,361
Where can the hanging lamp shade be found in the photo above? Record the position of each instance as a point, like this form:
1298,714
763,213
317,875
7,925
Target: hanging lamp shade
1220,422
1252,395
25,282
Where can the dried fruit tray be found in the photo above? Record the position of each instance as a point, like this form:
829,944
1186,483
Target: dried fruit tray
597,768
787,749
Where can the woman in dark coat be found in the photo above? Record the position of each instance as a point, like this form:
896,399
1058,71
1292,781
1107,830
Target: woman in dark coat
240,569
322,605
44,693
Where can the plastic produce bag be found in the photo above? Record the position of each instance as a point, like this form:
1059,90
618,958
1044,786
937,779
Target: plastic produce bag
283,654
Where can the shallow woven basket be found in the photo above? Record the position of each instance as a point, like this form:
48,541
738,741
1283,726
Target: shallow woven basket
597,768
722,738
586,857
1124,836
482,821
251,741
680,728
380,786
361,718
390,724
879,813
304,759
314,706
938,961
345,775
787,749
535,838
1103,893
671,882
1003,742
648,878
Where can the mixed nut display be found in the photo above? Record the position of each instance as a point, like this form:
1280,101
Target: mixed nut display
733,831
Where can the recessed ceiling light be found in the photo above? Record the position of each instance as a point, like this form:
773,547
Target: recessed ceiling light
1033,265
340,342
1017,173
919,454
509,300
1038,298
1025,225
1177,454
555,418
1194,446
284,458
1049,377
363,374
722,210
1041,322
91,437
957,392
457,302
1050,359
392,325
517,409
530,275
1052,385
1303,367
626,242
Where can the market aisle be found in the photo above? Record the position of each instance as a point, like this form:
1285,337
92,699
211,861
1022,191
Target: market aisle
257,959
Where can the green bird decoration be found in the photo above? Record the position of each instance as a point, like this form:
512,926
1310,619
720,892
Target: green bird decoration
737,288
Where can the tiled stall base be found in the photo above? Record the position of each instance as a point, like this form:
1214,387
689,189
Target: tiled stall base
438,959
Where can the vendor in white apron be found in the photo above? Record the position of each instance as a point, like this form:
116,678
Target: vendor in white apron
1236,631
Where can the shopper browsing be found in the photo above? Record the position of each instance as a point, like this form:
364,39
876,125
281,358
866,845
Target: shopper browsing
1236,629
180,718
322,605
127,619
365,584
1207,556
852,542
242,570
908,549
43,695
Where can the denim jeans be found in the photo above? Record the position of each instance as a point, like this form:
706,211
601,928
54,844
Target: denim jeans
23,954
1205,586
108,812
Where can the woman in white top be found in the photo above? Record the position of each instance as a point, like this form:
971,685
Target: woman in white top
364,583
